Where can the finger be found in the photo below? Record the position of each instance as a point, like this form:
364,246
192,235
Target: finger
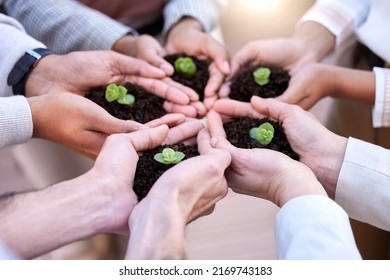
155,58
183,131
168,119
163,89
200,108
290,96
186,110
215,124
136,67
235,108
224,91
209,102
222,157
271,107
215,81
192,95
146,139
204,144
214,50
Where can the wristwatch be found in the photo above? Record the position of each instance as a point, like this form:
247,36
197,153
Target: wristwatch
18,76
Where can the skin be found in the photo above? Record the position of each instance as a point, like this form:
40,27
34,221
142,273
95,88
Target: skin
181,38
318,148
174,201
100,200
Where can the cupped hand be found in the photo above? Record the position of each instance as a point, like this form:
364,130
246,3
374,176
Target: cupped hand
188,37
116,165
82,125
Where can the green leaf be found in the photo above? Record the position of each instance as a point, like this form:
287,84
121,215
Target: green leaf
185,65
121,92
264,133
111,92
128,99
169,156
261,76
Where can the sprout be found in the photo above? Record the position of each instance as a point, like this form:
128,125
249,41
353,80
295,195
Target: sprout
264,133
169,156
261,75
185,65
119,93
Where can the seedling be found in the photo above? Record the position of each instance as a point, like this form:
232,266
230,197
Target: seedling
169,156
119,94
185,65
261,75
264,133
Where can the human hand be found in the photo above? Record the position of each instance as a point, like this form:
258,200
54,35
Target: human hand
268,174
78,72
181,39
180,195
321,150
83,126
115,166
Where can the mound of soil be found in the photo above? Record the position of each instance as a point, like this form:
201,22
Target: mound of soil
243,86
237,133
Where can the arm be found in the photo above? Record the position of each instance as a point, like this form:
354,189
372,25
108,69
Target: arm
302,231
99,201
68,25
16,124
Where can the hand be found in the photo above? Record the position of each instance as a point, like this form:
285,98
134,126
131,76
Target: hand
115,166
180,195
321,150
144,47
82,125
78,72
263,173
181,39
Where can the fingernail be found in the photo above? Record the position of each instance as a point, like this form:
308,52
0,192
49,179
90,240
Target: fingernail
213,141
167,68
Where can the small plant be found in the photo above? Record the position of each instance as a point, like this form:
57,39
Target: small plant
264,133
169,156
185,65
261,75
119,93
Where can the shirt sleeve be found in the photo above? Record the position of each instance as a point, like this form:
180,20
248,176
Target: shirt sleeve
5,253
206,11
66,26
341,18
363,187
381,110
12,49
314,227
16,124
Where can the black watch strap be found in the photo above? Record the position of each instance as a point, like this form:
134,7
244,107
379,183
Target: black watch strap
18,76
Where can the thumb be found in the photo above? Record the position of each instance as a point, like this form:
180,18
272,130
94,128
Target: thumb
146,139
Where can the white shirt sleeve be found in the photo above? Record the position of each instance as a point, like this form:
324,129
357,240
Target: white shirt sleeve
381,110
363,187
341,18
314,227
5,253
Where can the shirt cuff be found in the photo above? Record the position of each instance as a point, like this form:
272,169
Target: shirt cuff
381,110
16,124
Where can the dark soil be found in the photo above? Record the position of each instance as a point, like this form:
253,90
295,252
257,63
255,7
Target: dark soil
237,132
146,107
149,170
243,87
197,81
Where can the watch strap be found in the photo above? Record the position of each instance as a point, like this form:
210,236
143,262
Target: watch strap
18,76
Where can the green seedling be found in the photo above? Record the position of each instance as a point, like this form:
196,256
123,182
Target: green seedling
185,65
169,156
264,133
119,94
261,75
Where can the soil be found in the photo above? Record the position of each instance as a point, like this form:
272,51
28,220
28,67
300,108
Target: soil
146,107
243,87
237,132
197,81
149,170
